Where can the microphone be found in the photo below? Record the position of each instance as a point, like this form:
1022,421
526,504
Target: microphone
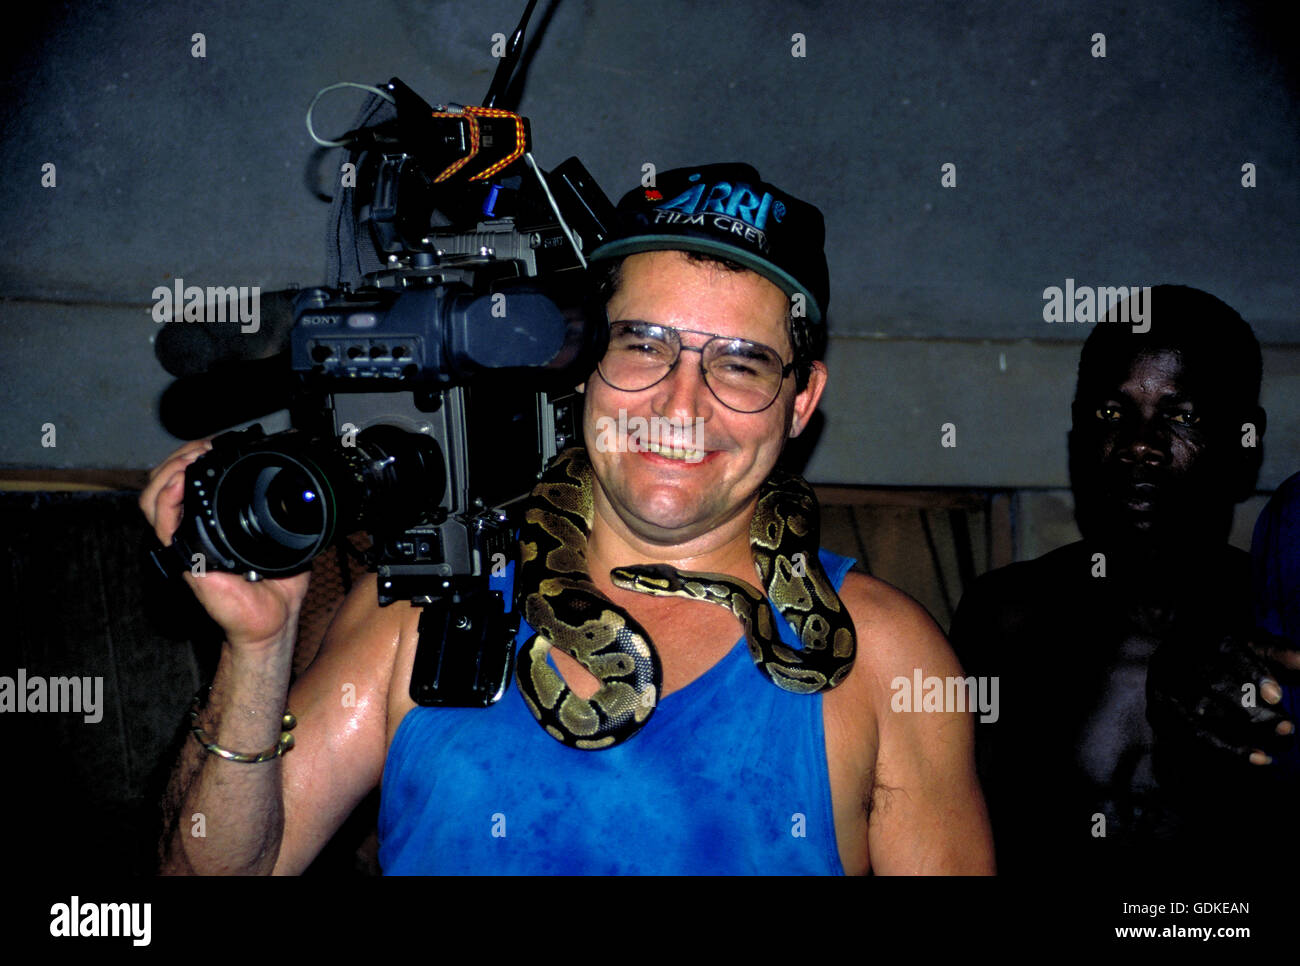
222,335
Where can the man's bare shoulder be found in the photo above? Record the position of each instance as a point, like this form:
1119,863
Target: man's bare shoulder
359,650
342,708
896,635
925,760
360,624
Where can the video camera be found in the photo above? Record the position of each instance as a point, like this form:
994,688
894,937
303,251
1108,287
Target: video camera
430,383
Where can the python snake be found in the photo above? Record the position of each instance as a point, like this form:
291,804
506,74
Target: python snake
569,612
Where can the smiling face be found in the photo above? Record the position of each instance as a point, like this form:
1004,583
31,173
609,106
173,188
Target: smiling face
1151,451
665,500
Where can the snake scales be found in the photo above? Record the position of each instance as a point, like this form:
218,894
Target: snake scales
569,612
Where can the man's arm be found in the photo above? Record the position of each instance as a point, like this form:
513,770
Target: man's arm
274,817
928,814
222,816
226,817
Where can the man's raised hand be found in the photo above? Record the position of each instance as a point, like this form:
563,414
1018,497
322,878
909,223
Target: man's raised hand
253,614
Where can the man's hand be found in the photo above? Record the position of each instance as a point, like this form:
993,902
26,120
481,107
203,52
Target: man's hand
253,614
1220,693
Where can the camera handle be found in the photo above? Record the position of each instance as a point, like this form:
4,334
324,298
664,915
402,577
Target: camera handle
465,655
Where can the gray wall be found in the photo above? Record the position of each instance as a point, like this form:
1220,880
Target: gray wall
1117,170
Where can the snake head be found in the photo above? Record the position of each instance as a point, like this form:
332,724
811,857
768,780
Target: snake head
656,579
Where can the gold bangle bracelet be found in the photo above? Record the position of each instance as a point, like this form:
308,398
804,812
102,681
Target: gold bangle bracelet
279,748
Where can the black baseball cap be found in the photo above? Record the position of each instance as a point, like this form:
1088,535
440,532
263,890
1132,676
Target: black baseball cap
727,210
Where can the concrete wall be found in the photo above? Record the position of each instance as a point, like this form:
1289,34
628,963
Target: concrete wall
1123,169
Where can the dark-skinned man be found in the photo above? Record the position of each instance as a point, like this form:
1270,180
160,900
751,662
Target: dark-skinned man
730,774
1138,712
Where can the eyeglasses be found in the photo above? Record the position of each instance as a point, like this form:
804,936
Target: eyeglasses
742,375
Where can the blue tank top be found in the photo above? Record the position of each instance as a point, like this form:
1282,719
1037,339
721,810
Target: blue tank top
728,777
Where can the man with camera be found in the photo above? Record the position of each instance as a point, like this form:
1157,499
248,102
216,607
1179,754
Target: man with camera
730,774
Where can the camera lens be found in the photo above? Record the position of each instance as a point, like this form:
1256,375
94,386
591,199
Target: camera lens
285,499
288,502
275,511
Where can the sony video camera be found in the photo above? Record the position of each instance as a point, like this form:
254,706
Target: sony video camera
431,382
